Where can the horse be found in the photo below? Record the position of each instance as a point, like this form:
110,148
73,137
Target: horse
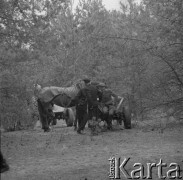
60,96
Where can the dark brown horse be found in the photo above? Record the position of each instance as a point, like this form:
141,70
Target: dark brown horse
60,96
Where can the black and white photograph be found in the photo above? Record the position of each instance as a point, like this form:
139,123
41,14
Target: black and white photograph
91,89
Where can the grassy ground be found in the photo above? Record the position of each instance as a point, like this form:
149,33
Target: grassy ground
62,154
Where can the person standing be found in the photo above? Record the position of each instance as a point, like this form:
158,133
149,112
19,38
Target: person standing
108,100
87,104
81,111
3,164
93,96
81,108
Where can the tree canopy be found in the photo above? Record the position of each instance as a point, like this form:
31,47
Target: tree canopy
137,51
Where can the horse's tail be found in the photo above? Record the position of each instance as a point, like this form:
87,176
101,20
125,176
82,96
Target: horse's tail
40,108
42,115
70,116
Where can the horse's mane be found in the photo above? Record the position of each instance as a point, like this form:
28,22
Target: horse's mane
78,83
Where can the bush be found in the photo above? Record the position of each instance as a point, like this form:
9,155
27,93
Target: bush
16,114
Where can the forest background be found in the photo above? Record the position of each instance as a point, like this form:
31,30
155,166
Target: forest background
137,52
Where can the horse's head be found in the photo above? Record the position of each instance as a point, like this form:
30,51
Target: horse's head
80,84
37,89
37,86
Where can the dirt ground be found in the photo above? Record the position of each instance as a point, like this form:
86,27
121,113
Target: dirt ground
62,154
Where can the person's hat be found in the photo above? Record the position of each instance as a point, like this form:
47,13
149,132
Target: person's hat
102,85
86,80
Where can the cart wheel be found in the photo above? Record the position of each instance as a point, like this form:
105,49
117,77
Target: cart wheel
127,117
69,117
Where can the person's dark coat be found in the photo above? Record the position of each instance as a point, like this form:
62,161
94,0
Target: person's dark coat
86,105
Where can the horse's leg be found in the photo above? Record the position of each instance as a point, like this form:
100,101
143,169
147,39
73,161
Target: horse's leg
46,125
84,120
81,113
76,121
120,116
93,115
44,122
109,116
43,116
54,121
49,120
108,119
